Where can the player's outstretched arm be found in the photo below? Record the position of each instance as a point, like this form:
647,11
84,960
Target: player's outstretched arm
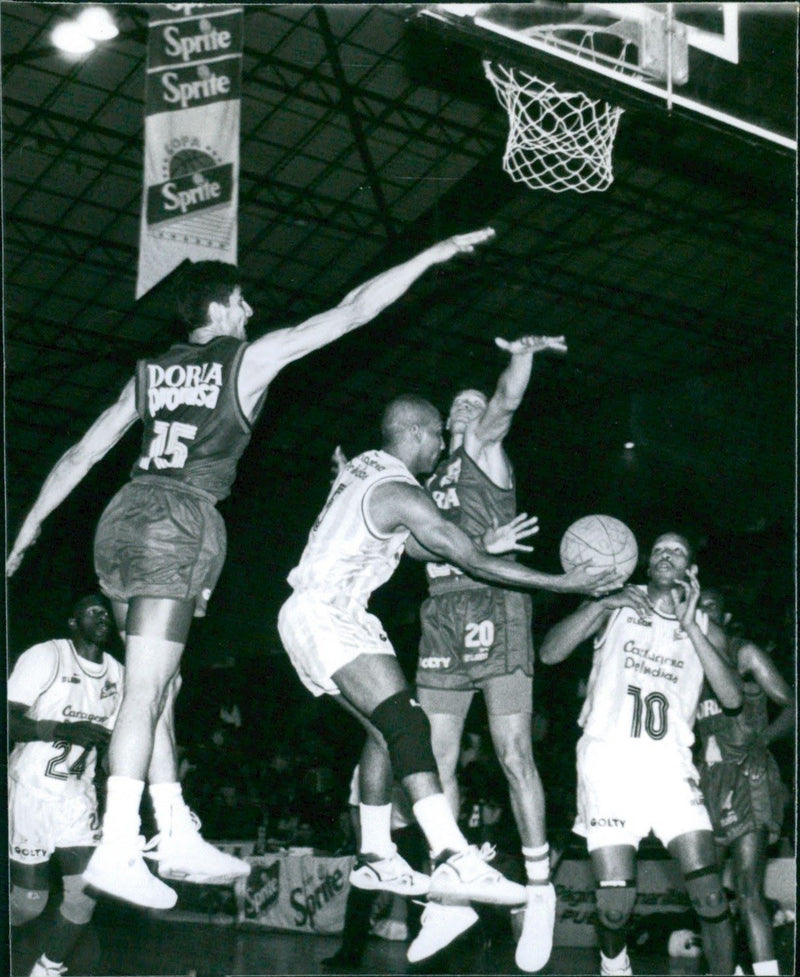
71,468
397,504
512,384
23,729
265,357
563,638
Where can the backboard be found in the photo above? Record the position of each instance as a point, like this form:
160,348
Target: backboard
730,65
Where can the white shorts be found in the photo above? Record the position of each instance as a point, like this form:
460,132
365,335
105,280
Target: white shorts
625,790
320,638
38,822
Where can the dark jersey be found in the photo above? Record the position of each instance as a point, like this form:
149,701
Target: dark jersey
470,499
194,428
725,737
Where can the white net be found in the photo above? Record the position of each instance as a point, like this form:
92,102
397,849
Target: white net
556,140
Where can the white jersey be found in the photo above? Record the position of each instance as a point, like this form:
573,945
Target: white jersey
645,681
347,557
57,684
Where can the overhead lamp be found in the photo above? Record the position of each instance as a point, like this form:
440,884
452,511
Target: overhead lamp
70,39
97,24
629,445
78,36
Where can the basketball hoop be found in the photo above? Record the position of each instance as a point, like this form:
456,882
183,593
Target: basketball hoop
556,140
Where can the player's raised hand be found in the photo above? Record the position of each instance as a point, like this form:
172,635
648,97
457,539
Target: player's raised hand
506,538
686,596
463,243
25,539
533,344
338,461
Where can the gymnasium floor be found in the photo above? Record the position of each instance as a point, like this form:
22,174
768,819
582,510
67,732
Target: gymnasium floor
123,942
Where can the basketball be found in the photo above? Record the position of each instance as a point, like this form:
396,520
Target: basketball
603,541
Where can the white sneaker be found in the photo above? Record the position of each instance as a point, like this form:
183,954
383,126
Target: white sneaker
465,876
536,942
619,966
184,856
391,873
46,968
119,870
440,926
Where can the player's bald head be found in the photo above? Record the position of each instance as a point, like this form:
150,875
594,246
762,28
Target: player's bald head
403,413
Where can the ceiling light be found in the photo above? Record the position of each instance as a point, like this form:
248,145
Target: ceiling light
68,37
97,23
629,445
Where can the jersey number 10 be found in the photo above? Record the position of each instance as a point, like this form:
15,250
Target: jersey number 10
652,709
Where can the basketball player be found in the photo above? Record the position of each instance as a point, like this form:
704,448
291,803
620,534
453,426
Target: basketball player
63,699
160,544
653,649
740,779
375,509
478,637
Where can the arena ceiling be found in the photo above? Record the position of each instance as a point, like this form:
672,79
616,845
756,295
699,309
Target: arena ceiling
363,140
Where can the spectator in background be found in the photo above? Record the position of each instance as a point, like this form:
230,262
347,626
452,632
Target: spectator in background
740,779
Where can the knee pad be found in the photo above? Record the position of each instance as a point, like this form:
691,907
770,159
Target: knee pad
615,901
25,904
405,727
704,888
76,906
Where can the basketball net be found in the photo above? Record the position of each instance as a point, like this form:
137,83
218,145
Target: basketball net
556,140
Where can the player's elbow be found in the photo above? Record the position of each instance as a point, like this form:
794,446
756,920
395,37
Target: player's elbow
548,653
730,697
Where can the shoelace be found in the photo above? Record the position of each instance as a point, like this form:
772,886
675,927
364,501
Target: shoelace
487,851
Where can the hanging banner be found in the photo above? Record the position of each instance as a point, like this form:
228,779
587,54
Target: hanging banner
191,151
301,893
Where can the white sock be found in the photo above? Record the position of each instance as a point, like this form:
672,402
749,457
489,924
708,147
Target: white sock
765,967
376,828
537,864
438,824
618,961
121,821
164,798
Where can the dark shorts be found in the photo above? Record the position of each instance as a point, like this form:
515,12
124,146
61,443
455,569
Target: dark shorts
738,804
472,636
160,541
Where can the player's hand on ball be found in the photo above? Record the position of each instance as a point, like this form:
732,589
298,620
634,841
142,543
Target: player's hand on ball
533,344
629,596
505,539
582,579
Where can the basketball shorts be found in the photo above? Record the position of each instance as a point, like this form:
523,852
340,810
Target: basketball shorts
160,541
627,789
740,805
39,822
470,636
320,638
